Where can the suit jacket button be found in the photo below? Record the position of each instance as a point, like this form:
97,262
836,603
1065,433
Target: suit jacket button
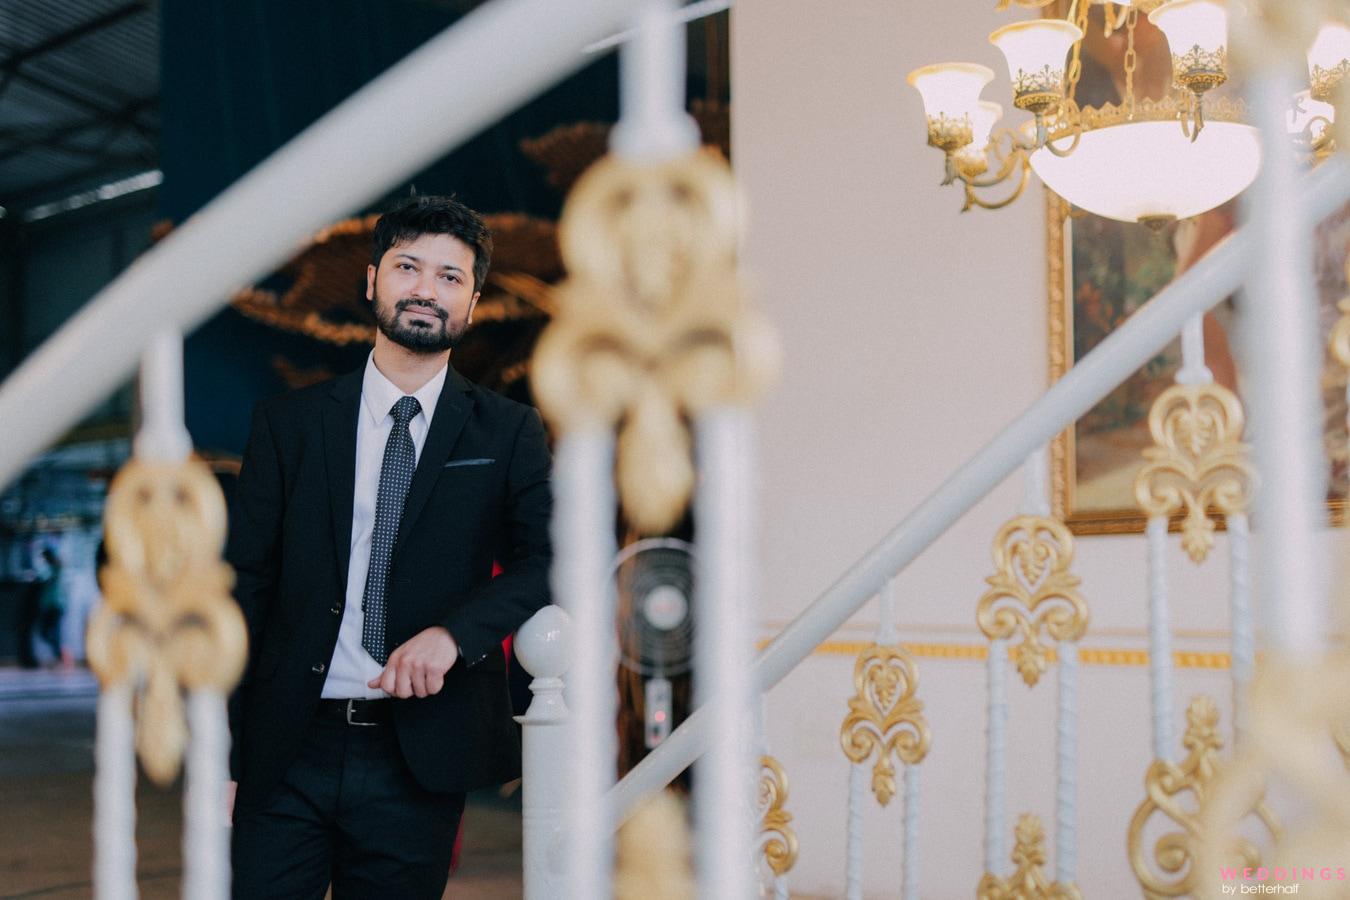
337,610
319,669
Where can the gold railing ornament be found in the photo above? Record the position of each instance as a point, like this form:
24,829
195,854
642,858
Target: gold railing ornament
1339,340
1032,591
1293,707
1028,882
653,326
884,715
1174,870
1199,461
167,624
779,840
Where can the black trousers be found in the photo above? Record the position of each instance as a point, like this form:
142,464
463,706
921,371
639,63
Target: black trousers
349,813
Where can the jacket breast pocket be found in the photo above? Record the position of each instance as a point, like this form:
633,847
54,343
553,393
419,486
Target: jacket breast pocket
461,463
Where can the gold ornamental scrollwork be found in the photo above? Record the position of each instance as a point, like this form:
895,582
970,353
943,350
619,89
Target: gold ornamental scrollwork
1294,709
168,624
778,839
652,325
1032,591
1028,881
1199,461
1340,332
1173,792
884,715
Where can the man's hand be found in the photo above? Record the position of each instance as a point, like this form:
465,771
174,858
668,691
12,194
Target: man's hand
417,668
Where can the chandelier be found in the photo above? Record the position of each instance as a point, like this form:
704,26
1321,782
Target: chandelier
1147,160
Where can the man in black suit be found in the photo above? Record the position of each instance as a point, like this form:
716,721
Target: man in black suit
369,511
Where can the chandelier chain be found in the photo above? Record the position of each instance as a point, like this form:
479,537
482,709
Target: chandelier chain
1079,15
1131,59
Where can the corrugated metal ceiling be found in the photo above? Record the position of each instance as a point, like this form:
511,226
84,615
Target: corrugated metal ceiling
79,95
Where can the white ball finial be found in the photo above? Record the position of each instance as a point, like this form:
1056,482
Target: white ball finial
543,644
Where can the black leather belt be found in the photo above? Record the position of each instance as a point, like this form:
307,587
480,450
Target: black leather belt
358,712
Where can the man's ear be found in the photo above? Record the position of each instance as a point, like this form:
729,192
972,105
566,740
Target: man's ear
472,303
370,282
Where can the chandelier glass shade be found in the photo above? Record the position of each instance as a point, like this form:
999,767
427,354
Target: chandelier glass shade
951,96
1149,159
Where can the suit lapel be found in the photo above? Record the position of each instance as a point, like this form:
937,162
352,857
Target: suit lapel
452,411
339,439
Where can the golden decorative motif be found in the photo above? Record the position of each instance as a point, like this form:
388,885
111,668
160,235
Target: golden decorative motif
1032,590
947,133
1025,4
1028,882
778,839
1199,69
885,716
653,327
1293,705
1147,109
1166,783
168,624
1039,89
1199,461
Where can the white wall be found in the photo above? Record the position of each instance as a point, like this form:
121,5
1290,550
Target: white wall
912,334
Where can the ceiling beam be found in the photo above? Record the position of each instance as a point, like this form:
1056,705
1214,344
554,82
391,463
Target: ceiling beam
18,57
22,141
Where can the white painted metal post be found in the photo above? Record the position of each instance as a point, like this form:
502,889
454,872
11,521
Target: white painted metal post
206,838
543,647
115,797
1279,331
726,595
583,545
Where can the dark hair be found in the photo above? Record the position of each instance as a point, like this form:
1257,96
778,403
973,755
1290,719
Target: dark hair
416,216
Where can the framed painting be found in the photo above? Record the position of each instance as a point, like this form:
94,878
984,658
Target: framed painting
1100,271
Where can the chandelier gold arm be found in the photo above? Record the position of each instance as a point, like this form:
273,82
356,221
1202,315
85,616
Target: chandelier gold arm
1029,881
885,716
1032,591
1025,4
1171,869
1340,332
779,840
1068,112
1013,161
1198,461
168,623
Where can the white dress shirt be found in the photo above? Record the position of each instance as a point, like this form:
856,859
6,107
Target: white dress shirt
352,666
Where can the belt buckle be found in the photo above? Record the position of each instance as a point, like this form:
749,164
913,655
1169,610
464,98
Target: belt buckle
351,704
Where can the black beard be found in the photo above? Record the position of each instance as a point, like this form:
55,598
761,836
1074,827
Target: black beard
419,335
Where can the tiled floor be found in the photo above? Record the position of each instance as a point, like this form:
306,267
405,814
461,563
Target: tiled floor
46,767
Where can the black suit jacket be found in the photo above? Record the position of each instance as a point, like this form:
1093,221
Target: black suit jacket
480,493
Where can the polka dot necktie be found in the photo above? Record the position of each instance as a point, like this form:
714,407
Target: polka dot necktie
395,475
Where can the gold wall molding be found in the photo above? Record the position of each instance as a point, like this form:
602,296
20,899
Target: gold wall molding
1032,591
1028,881
167,624
1091,656
779,839
1172,868
885,717
652,325
1198,462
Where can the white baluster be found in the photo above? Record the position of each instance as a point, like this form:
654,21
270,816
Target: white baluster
1159,638
1279,330
995,849
206,838
115,797
857,795
1035,492
583,541
543,646
912,859
1066,767
162,436
726,593
653,125
1193,369
1244,639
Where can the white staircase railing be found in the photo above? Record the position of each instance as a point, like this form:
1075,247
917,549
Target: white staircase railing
1124,351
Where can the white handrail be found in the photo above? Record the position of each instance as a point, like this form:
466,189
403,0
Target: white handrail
1146,332
460,81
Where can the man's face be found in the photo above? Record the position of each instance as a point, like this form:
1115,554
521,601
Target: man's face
423,292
